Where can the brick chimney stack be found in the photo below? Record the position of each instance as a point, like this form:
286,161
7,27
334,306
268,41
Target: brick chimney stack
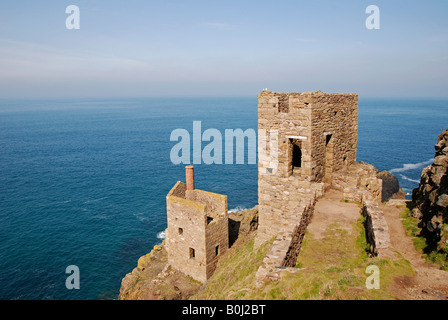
189,173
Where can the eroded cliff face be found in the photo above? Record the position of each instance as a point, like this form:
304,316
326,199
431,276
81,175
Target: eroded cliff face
155,279
431,198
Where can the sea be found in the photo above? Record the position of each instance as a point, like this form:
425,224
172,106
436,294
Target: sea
83,182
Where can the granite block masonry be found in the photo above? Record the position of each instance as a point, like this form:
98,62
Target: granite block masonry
317,135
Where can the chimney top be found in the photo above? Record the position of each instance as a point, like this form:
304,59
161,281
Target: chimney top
189,175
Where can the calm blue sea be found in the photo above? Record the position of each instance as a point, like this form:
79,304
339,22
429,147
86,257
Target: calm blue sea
83,182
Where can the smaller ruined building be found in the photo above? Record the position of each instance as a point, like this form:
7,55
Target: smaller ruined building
197,233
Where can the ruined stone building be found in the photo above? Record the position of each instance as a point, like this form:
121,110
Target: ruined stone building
197,232
310,142
317,135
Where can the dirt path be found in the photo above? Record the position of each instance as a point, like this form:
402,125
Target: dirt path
331,208
430,283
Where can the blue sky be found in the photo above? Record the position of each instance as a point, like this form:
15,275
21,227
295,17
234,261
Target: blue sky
222,48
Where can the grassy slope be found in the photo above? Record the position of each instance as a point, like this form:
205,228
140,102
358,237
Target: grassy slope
332,268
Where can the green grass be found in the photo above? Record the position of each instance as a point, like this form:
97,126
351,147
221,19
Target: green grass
334,268
351,201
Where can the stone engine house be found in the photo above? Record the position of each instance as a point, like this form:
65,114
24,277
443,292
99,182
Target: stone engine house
197,232
317,135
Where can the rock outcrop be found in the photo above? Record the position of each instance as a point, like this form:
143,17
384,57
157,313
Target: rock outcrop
242,223
391,188
154,279
431,198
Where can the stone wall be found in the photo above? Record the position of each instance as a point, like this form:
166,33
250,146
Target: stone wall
281,203
216,204
334,133
358,180
377,230
217,242
293,120
197,231
295,245
311,117
282,254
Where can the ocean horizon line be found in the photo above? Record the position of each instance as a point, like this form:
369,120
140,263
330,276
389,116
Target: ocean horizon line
180,97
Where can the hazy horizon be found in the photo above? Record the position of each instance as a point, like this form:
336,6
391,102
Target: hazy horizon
143,49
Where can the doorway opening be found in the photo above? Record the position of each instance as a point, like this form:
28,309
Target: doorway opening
329,150
296,154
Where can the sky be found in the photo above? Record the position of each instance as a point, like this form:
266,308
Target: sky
217,48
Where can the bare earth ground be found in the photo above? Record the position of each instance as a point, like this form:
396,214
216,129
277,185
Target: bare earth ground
430,283
330,209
